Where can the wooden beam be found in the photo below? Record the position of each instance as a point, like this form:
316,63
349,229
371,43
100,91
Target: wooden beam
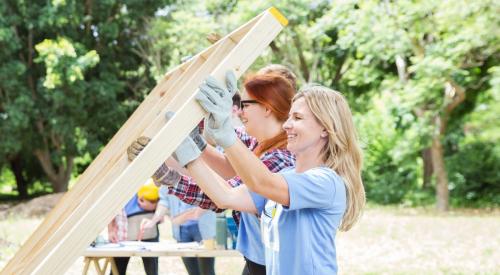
93,212
88,184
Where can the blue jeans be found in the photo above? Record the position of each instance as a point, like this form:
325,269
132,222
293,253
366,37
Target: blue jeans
195,265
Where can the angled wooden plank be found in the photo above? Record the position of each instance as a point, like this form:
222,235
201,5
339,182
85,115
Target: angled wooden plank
154,111
84,189
73,195
240,33
87,182
160,147
112,173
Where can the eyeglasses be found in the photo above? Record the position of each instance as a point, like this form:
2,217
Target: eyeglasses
244,103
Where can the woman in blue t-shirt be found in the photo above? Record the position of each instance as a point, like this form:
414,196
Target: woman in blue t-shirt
263,108
302,207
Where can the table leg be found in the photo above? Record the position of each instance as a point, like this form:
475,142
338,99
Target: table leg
101,269
98,266
114,268
86,266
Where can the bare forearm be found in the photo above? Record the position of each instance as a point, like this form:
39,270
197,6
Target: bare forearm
213,185
218,162
160,211
218,190
172,163
256,175
250,169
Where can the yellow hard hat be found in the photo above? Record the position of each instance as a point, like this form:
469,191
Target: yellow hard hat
149,191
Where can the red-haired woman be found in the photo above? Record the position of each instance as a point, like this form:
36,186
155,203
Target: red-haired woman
301,207
264,106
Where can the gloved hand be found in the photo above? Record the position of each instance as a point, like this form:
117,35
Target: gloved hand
166,176
136,147
218,102
191,147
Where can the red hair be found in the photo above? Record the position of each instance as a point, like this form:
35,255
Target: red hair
275,93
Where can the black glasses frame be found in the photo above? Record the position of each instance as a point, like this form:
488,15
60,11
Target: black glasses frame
250,101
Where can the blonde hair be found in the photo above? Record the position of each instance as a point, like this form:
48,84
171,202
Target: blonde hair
341,152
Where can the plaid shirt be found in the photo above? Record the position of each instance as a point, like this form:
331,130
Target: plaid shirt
119,225
189,192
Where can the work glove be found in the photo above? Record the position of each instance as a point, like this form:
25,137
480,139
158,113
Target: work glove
166,176
191,147
217,101
140,143
136,147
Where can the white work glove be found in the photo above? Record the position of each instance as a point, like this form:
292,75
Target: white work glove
191,147
218,101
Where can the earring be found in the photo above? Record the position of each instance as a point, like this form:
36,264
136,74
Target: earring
324,134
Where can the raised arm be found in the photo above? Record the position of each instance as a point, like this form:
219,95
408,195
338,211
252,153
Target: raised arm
256,175
216,100
237,198
218,162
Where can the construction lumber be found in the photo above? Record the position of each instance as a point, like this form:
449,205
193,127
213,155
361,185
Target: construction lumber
94,178
111,180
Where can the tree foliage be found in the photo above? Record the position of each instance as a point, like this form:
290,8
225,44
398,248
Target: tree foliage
433,57
69,75
422,78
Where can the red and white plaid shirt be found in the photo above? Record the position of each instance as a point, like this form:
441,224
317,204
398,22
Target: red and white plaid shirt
120,225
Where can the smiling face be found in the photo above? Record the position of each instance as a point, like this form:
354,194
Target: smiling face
305,134
251,115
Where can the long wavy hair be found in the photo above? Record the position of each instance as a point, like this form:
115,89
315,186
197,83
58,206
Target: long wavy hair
341,152
275,93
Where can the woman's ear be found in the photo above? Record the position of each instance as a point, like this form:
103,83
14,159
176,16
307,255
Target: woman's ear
268,112
324,134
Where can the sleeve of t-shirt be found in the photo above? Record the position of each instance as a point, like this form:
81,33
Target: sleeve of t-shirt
259,201
314,188
164,197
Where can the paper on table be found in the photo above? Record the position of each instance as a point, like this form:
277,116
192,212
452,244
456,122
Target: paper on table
150,246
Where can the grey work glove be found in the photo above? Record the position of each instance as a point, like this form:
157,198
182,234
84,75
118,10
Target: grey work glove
166,176
136,147
195,134
189,149
217,101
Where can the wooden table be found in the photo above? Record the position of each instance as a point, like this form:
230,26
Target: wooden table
102,256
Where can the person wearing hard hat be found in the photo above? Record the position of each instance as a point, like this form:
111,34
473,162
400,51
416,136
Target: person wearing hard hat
126,226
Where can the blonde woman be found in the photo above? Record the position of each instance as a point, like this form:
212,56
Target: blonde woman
265,102
304,206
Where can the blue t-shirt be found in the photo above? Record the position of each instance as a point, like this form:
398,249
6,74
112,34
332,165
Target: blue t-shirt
249,241
206,223
300,239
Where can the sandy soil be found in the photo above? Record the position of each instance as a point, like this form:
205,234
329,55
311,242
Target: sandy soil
388,240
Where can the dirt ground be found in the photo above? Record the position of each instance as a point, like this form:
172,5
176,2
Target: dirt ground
388,240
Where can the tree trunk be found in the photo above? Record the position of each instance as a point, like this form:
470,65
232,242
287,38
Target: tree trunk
59,179
442,192
16,166
61,185
427,165
454,96
302,60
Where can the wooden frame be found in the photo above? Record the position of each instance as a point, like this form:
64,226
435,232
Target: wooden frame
111,179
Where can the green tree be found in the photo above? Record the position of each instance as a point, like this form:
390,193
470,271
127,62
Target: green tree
434,56
181,31
70,73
